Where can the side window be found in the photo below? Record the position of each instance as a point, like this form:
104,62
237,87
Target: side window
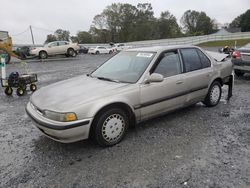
169,64
204,59
191,59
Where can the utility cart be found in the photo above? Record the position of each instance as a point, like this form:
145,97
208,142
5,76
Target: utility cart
16,80
20,82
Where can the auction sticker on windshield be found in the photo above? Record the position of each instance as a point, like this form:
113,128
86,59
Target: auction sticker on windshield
148,55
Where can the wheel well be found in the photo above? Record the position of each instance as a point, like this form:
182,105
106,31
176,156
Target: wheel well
219,80
42,51
70,49
122,106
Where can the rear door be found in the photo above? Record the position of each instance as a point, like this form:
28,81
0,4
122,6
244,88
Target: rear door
157,98
198,72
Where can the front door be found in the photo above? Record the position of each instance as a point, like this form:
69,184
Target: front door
157,98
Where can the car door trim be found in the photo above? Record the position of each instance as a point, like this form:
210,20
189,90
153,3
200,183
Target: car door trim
149,103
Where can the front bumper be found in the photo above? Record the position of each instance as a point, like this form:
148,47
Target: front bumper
65,132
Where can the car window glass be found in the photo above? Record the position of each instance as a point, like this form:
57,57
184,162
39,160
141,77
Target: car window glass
169,65
191,59
204,59
53,44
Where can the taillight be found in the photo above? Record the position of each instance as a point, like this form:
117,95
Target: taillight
236,54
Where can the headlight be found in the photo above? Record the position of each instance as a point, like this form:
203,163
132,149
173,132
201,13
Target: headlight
63,117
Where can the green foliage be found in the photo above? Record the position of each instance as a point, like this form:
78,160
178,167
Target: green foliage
197,23
245,21
242,21
125,22
50,38
62,35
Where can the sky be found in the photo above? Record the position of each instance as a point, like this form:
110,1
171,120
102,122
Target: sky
45,16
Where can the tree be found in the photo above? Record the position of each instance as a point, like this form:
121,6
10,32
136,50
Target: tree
197,23
235,22
50,38
242,21
168,26
62,35
84,37
245,21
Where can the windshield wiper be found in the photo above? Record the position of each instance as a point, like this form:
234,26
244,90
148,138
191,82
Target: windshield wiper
108,79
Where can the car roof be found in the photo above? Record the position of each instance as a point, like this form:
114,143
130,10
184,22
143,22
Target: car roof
159,48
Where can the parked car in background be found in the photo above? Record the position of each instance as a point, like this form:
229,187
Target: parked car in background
241,60
130,87
56,48
83,50
119,47
100,50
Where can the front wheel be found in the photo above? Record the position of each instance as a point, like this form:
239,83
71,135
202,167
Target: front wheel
110,127
214,94
8,91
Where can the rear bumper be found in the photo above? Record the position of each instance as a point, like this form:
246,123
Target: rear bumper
64,132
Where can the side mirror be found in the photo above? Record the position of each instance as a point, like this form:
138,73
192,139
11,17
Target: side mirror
155,77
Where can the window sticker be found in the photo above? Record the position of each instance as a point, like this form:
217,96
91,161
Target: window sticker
147,55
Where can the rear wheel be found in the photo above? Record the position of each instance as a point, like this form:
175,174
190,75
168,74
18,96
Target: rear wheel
110,127
43,55
214,94
238,73
110,52
71,52
20,91
8,91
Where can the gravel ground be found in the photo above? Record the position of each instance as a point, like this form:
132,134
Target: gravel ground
193,147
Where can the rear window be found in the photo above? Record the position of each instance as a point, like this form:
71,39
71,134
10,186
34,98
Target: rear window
191,59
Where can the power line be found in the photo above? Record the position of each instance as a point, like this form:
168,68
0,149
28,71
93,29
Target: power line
43,29
21,32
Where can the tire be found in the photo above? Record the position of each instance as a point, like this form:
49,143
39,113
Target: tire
7,59
214,94
20,91
110,127
8,91
71,52
33,87
97,52
110,52
43,55
238,73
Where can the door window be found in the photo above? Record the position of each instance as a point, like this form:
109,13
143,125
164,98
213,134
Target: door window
191,59
204,59
169,64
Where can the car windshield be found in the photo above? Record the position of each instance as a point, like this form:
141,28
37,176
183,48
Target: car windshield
124,67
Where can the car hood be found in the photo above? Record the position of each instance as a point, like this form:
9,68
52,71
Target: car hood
65,95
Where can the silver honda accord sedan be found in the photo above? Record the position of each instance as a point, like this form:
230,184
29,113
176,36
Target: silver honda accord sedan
130,87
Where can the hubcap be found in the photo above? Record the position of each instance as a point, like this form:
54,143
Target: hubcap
113,127
215,94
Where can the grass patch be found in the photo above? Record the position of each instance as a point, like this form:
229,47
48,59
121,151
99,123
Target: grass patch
222,43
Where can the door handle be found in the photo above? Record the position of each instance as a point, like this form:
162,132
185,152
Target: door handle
179,82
